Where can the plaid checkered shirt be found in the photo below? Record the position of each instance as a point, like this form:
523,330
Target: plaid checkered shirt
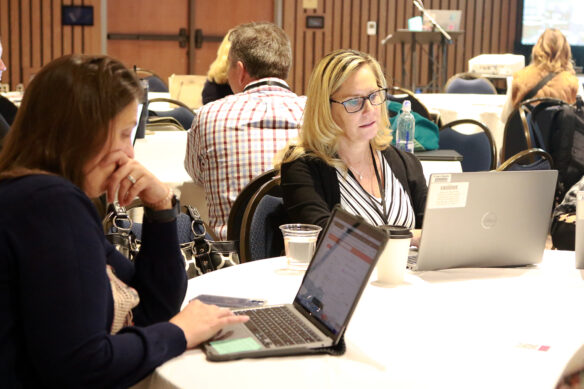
234,139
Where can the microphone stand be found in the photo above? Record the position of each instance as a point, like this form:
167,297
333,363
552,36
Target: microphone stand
384,40
433,21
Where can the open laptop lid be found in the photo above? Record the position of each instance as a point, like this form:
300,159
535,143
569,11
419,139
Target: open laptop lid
486,219
138,130
448,19
339,271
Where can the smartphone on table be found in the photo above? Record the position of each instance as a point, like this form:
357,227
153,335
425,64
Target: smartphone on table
230,302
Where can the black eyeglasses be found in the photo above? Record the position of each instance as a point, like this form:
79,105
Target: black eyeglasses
357,103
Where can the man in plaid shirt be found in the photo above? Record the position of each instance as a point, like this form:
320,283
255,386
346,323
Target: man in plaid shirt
234,139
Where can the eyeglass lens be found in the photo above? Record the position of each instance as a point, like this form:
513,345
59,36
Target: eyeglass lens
356,104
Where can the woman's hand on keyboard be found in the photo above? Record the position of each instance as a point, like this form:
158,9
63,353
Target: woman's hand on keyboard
200,321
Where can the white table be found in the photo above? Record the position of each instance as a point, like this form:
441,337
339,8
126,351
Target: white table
163,153
484,108
458,328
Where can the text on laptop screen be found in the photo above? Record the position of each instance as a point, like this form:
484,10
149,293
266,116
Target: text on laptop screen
343,259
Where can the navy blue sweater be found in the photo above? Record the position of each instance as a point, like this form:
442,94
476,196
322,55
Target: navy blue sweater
56,305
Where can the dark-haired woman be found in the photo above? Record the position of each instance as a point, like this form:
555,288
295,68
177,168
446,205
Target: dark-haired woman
75,312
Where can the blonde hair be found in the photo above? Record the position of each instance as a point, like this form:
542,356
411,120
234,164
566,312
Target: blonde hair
552,52
218,70
319,134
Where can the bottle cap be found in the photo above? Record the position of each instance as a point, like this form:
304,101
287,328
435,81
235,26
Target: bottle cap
407,106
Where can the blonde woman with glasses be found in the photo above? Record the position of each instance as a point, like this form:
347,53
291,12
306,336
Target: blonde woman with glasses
343,153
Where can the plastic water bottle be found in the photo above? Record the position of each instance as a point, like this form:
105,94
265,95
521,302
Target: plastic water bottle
406,127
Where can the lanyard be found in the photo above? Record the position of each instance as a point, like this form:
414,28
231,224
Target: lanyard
267,82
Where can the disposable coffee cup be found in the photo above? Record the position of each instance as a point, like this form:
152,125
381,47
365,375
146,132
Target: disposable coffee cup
299,243
392,264
579,249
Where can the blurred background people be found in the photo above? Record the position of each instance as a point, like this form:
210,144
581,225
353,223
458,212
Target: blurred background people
75,312
343,154
234,139
217,86
550,55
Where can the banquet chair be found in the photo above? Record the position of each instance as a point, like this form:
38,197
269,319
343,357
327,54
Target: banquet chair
531,159
478,149
155,83
182,113
469,83
528,126
7,110
260,233
4,129
163,124
235,219
398,94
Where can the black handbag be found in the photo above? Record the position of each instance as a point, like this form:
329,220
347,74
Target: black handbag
201,254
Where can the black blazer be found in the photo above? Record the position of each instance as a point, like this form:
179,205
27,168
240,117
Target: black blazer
311,189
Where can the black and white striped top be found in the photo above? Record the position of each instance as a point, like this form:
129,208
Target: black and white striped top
356,200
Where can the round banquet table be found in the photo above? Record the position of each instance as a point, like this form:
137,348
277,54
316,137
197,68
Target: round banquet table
455,328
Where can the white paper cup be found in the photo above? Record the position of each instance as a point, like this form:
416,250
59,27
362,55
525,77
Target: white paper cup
392,264
299,243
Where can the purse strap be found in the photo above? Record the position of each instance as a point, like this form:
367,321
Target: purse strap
201,247
539,85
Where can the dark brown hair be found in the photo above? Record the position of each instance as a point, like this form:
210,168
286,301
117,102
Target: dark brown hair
65,116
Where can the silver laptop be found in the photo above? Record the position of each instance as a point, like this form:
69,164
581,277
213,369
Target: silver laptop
332,285
448,19
485,219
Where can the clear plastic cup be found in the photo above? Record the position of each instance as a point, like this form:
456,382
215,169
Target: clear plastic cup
299,243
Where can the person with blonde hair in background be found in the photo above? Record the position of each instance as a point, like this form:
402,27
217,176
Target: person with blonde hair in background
551,57
343,153
217,85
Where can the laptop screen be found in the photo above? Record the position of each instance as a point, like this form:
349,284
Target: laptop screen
336,275
138,130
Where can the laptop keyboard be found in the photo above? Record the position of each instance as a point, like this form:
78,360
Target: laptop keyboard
278,326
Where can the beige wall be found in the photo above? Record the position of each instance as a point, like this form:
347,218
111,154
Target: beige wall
32,35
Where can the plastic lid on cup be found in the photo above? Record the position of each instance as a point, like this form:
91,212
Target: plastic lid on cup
397,232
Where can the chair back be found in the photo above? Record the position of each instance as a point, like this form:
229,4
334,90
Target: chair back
478,149
182,113
260,234
155,83
8,110
163,124
468,83
529,126
531,159
234,222
398,94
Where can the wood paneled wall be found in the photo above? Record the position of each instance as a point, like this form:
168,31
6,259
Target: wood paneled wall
32,35
489,25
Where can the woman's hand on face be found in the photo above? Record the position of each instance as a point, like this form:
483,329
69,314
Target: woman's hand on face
132,180
200,321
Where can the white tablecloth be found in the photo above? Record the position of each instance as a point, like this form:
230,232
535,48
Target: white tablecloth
458,328
163,153
484,108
